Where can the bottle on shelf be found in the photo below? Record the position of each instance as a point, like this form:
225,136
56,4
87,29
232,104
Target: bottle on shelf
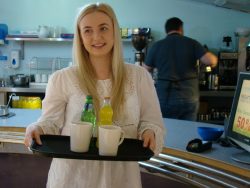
88,113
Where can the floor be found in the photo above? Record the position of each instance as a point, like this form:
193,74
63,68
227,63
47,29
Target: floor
30,171
155,181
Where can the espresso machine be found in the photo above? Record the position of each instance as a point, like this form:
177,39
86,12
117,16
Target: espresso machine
248,58
228,70
140,37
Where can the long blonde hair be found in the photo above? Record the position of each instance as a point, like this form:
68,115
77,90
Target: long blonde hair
86,72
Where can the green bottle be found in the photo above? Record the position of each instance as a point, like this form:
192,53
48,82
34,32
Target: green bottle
88,112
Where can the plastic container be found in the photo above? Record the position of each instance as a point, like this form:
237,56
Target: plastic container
26,102
210,133
106,113
88,112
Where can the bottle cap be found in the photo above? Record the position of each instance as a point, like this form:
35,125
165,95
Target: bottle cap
88,97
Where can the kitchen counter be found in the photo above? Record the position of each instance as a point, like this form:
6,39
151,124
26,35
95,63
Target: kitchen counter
187,130
179,133
212,168
12,129
39,89
22,118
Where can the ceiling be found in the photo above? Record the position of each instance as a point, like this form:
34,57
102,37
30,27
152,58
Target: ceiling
239,5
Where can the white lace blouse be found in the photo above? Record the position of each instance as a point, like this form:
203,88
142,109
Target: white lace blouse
63,104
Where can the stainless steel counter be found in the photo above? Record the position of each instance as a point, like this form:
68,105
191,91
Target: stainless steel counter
23,89
212,168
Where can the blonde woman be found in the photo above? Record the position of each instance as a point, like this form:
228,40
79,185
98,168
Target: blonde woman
99,71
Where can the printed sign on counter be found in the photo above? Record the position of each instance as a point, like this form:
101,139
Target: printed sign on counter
241,123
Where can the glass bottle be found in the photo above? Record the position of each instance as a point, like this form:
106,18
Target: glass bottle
88,112
106,113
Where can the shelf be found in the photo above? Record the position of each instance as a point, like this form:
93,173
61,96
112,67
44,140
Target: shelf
126,40
22,40
130,40
217,93
34,39
54,39
40,39
217,122
22,89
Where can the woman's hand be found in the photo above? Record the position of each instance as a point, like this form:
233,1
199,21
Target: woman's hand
33,132
148,137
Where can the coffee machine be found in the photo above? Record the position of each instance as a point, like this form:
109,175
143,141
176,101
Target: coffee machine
248,58
228,70
140,37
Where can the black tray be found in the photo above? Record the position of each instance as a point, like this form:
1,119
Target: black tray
59,147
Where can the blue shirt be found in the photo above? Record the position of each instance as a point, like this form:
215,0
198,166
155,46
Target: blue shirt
176,57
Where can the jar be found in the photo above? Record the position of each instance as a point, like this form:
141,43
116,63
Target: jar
36,103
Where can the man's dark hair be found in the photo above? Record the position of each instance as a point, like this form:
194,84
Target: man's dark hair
173,24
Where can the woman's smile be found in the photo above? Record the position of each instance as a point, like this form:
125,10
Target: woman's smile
98,45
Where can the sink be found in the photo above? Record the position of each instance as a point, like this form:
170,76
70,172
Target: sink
11,114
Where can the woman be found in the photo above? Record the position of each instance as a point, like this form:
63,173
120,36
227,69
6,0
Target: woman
99,71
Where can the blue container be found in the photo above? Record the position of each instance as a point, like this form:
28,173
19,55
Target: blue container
3,33
210,133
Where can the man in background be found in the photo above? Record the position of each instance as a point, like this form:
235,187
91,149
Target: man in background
175,58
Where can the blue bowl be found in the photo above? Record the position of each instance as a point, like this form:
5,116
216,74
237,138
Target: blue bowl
210,133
